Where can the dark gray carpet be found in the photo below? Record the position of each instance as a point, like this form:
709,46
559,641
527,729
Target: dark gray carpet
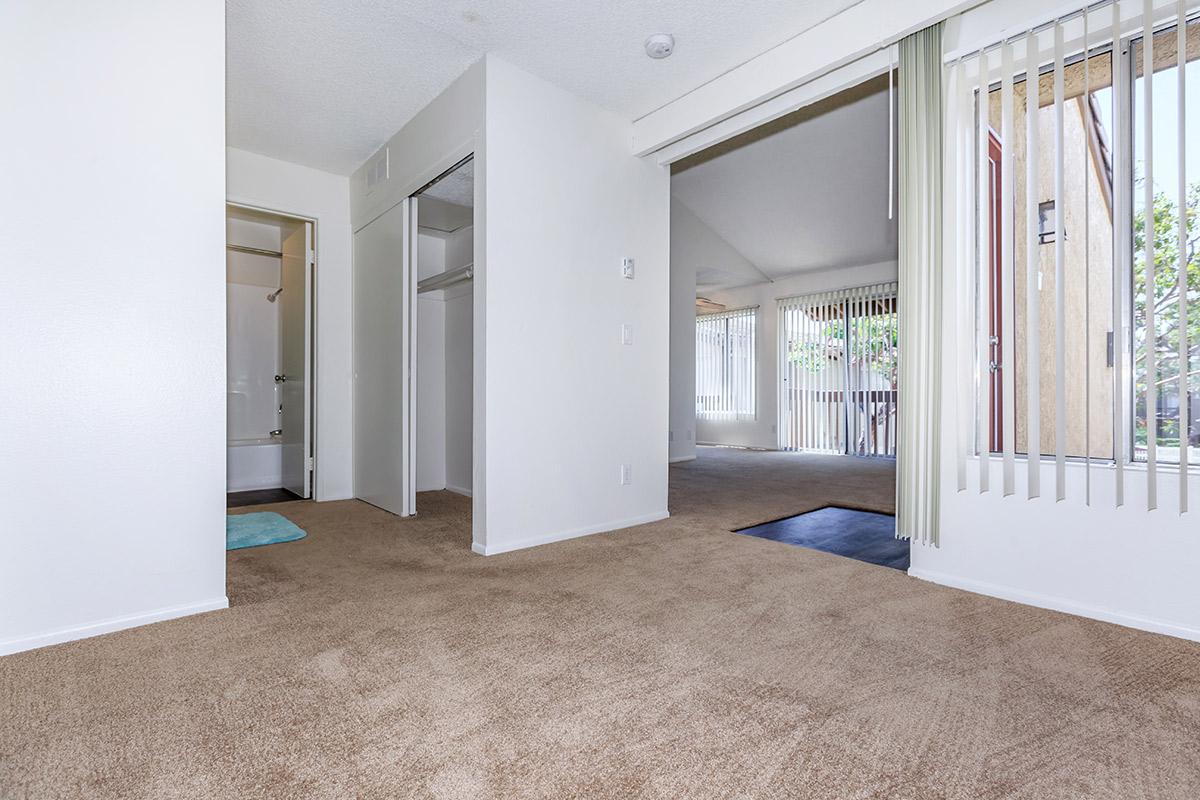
862,535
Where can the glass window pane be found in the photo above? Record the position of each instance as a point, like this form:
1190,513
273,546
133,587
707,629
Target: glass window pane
1086,205
1166,208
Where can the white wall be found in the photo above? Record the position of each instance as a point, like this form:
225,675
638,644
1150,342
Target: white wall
252,335
1126,565
681,433
447,130
268,183
697,253
441,134
567,403
431,390
252,356
113,361
804,61
761,431
460,247
546,433
459,333
444,365
431,253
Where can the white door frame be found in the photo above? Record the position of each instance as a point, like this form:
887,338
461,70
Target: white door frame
244,205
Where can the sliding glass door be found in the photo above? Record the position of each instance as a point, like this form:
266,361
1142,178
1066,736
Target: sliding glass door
837,377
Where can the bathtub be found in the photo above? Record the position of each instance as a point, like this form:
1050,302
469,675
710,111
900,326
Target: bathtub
253,464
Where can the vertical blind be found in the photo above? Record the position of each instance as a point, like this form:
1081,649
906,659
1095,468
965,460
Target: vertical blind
1080,253
837,375
725,359
922,135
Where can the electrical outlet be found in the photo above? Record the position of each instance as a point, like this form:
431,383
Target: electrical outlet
626,333
626,474
627,268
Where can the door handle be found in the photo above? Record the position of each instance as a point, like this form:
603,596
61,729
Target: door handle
281,378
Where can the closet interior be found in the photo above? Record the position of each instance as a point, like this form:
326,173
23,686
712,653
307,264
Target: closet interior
444,321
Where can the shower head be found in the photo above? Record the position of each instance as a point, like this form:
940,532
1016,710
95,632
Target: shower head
271,297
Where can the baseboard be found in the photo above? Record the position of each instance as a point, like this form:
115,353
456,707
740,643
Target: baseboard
576,533
254,485
458,490
1058,604
754,447
680,459
11,646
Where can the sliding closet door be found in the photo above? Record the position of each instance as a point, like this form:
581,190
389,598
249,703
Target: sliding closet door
384,380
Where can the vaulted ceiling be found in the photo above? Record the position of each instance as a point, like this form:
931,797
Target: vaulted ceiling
808,191
325,82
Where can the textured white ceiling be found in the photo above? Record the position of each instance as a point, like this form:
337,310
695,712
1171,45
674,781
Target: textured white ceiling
806,192
326,82
456,186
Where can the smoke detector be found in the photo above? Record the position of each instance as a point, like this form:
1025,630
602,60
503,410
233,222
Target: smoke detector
660,45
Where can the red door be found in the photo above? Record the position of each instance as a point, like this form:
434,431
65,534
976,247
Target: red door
995,293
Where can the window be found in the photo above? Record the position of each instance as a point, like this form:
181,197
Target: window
1156,382
838,388
1058,232
1084,223
725,361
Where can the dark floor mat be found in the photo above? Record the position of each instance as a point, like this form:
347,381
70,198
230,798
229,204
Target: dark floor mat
862,535
258,497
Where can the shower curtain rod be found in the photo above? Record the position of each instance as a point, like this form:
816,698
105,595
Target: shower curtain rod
257,251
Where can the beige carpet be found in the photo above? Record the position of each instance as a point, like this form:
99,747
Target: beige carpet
381,658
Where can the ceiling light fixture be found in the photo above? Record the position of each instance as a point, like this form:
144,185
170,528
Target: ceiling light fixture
660,45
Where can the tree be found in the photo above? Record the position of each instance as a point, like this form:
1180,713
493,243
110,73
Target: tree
1165,297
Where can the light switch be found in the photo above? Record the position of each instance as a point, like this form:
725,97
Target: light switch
626,333
627,268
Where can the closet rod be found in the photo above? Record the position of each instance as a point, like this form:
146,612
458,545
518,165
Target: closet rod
257,251
445,279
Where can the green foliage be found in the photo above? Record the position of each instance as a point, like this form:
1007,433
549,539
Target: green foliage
1167,289
873,340
1165,298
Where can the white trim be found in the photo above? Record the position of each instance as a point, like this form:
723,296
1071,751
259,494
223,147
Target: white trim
575,533
845,77
109,626
1054,603
680,459
316,489
860,30
458,490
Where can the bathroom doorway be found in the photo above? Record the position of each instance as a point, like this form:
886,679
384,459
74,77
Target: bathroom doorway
269,263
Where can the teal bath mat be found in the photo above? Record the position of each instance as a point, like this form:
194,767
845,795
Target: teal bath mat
259,527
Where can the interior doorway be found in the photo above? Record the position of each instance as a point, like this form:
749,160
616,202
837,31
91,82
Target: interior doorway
785,325
269,265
